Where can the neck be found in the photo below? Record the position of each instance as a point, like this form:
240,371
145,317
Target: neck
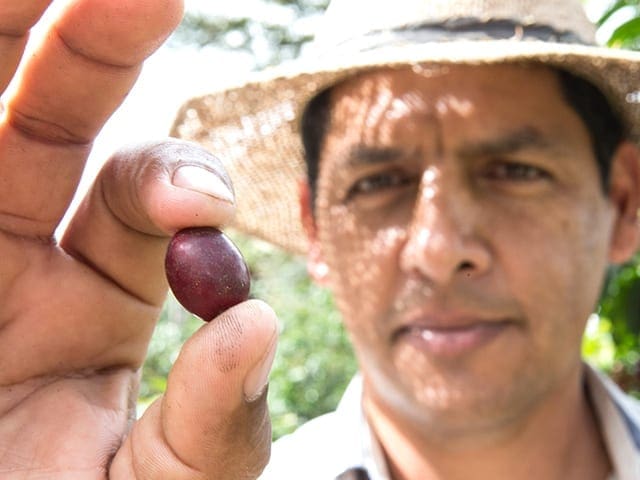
558,439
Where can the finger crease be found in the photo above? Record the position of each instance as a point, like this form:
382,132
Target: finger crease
45,131
92,58
13,34
175,454
11,223
93,266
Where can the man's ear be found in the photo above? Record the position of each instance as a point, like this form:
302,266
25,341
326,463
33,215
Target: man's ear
317,268
624,192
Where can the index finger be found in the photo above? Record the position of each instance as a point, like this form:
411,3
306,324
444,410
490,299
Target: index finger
79,75
16,18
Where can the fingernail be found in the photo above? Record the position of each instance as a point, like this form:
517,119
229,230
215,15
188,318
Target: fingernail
202,180
258,378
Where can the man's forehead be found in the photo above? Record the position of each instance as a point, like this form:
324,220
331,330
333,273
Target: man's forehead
457,98
457,103
470,111
418,85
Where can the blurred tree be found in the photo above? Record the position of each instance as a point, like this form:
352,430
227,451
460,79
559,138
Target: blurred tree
314,361
272,31
618,335
624,17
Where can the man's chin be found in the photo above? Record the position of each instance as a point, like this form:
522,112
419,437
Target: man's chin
455,414
458,403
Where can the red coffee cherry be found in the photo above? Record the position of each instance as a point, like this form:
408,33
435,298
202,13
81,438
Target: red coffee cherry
206,271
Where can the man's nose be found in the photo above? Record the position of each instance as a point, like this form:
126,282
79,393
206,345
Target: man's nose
443,241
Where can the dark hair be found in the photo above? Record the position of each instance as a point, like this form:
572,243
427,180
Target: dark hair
604,126
313,127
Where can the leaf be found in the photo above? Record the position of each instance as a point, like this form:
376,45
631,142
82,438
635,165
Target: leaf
626,35
620,4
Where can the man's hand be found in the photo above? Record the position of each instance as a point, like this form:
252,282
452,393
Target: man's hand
76,318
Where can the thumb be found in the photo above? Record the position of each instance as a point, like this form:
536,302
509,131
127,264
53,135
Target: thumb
213,420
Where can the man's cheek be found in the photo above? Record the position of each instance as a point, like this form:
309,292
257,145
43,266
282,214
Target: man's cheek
544,283
381,278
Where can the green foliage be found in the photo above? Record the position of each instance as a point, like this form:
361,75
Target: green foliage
174,327
314,361
626,33
615,344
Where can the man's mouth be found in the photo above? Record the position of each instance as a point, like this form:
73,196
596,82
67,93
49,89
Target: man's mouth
451,341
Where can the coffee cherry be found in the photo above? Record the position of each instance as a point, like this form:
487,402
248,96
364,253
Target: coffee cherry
206,271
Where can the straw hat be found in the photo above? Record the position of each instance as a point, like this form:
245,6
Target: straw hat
253,127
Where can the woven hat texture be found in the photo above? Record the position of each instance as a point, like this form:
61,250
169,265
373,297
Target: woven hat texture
253,127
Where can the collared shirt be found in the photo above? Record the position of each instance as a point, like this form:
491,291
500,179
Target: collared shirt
341,446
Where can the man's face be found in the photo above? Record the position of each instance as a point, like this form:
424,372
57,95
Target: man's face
461,218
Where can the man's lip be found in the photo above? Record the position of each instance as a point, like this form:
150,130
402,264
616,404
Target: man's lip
451,337
442,320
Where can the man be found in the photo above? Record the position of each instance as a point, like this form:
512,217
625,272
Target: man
473,167
76,317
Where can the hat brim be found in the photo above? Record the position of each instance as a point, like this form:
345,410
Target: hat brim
253,127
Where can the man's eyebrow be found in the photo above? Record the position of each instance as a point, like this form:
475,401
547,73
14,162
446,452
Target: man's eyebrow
521,139
362,154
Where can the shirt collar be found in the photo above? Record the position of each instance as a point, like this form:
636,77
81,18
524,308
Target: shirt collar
366,460
618,417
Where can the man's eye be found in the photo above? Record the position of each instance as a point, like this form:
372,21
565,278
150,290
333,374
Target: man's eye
377,183
512,171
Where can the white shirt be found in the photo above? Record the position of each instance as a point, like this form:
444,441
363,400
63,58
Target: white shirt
341,442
